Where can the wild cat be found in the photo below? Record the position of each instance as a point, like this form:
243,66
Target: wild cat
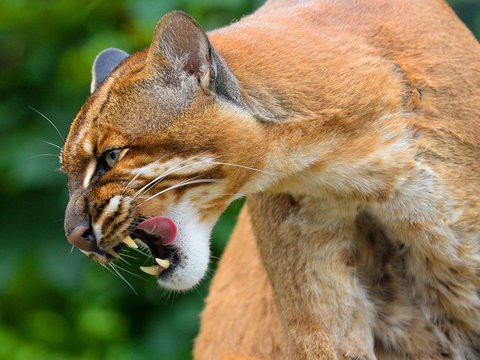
353,129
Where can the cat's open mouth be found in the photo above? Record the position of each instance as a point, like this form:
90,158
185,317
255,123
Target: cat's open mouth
158,234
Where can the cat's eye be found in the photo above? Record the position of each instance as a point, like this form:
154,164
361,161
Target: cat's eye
112,156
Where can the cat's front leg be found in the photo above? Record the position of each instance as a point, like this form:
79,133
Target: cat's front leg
323,307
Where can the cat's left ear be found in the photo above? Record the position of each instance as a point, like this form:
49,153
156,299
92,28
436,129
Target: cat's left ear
181,42
104,64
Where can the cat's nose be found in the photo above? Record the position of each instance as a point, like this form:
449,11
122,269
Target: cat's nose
83,238
78,224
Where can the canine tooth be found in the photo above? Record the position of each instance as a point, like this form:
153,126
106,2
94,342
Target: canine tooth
164,263
130,243
112,252
151,270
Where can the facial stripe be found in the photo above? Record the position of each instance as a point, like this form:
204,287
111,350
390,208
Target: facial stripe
88,147
179,188
92,165
103,93
117,225
112,206
173,167
199,164
112,215
112,221
177,166
97,230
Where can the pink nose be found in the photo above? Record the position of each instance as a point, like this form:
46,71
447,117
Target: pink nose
82,237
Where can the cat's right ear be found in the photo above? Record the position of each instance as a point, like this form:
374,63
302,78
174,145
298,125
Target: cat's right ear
104,64
180,42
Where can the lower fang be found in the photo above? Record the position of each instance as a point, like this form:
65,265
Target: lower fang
154,270
164,263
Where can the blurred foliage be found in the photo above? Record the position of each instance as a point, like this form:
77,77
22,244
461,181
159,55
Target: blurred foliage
54,303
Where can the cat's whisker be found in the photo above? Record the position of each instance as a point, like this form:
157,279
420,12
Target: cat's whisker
125,261
52,144
114,268
109,270
159,178
136,177
130,256
41,155
184,181
229,194
169,171
50,121
242,166
131,182
144,253
129,272
180,185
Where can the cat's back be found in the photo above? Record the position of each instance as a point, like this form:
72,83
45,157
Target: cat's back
424,43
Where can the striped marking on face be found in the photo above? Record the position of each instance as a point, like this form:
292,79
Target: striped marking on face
88,148
177,166
92,165
112,206
87,117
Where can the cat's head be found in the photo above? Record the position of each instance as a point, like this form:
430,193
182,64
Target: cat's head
158,151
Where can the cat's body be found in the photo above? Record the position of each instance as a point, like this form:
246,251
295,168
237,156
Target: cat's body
354,125
393,247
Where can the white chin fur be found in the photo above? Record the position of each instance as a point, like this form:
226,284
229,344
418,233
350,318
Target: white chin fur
193,244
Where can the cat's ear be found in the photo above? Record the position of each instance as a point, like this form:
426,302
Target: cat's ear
104,64
181,42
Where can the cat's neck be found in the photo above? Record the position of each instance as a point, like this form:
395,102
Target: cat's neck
327,133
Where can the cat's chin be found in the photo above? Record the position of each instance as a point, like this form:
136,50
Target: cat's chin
192,255
185,274
191,249
179,245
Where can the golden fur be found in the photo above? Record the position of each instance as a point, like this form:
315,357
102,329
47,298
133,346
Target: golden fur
355,127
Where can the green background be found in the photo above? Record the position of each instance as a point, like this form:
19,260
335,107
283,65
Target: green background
54,303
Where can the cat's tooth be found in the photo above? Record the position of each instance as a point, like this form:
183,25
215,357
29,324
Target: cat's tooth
112,252
152,270
130,243
164,263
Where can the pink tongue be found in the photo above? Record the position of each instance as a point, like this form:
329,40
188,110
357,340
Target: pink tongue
160,226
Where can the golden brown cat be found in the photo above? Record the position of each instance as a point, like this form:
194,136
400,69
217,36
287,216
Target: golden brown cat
353,127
